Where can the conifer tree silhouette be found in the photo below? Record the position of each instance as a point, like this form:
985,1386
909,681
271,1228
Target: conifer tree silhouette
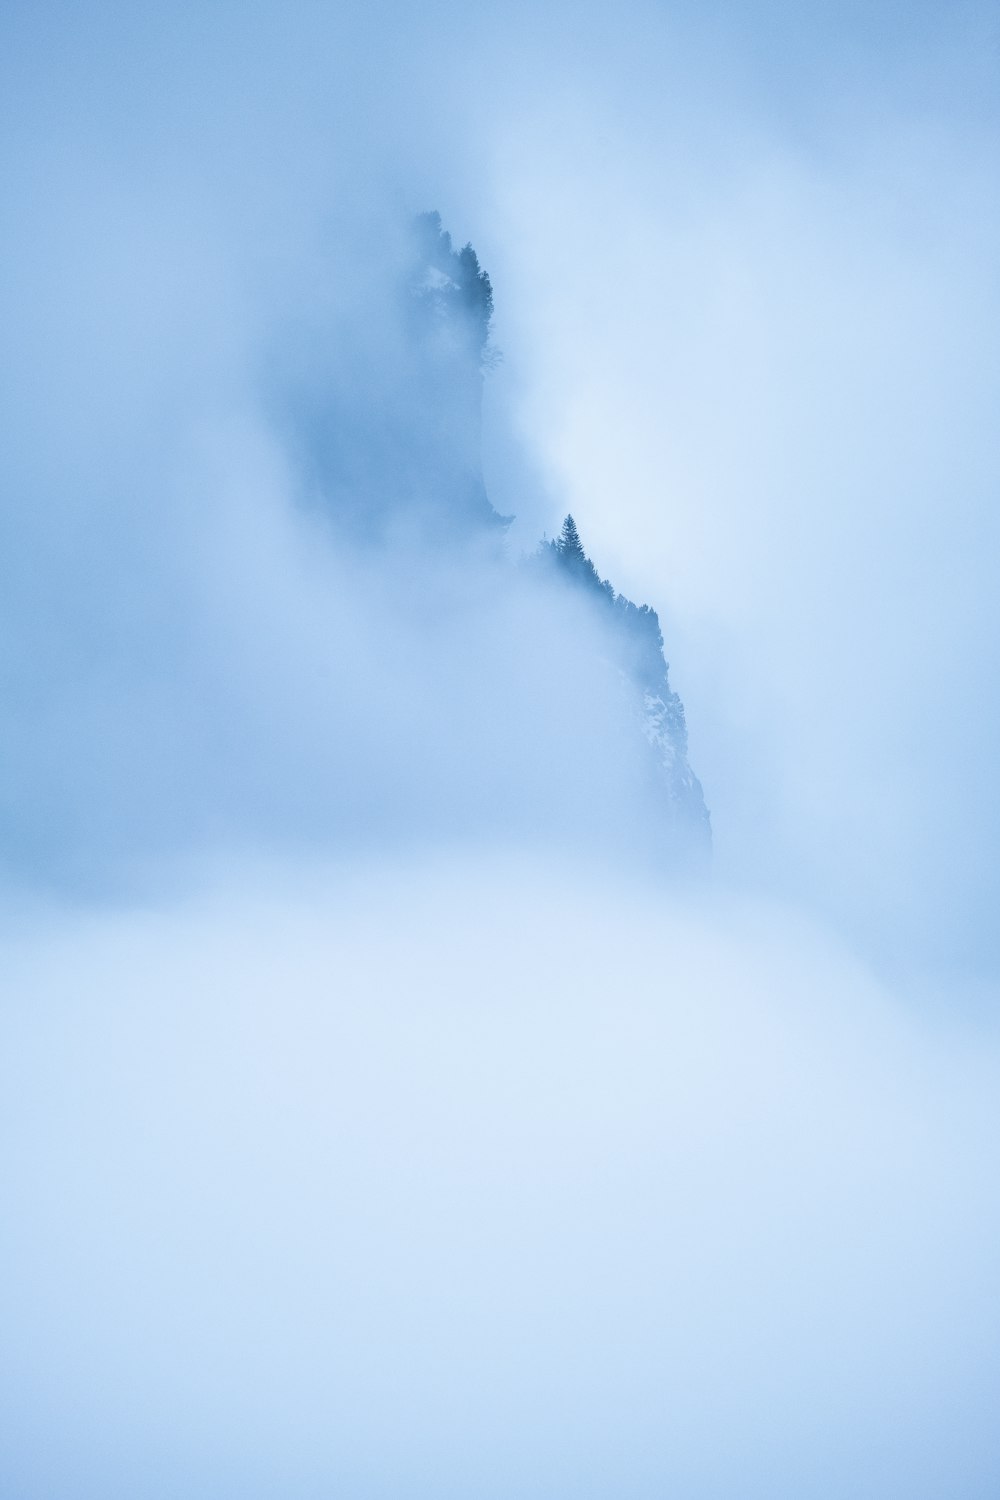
569,544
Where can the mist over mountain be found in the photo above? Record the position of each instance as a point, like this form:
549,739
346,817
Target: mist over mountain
394,1098
307,626
387,424
390,453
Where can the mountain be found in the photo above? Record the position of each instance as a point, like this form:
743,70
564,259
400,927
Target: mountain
384,411
393,446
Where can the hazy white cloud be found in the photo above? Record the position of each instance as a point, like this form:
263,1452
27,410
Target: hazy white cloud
481,1175
760,370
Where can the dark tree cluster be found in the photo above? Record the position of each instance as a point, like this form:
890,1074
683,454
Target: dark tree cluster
568,554
637,625
450,282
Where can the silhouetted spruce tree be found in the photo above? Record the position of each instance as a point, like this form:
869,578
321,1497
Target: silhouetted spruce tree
569,553
569,545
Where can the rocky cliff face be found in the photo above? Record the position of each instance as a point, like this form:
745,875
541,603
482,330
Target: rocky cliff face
635,644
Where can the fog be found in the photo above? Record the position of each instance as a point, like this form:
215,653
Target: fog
457,1176
390,1103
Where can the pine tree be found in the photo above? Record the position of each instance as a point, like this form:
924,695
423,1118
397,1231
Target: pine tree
569,545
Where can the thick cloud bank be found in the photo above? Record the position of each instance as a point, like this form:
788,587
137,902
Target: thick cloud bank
484,1178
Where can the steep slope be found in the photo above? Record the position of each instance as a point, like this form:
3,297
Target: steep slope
392,446
636,645
380,400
